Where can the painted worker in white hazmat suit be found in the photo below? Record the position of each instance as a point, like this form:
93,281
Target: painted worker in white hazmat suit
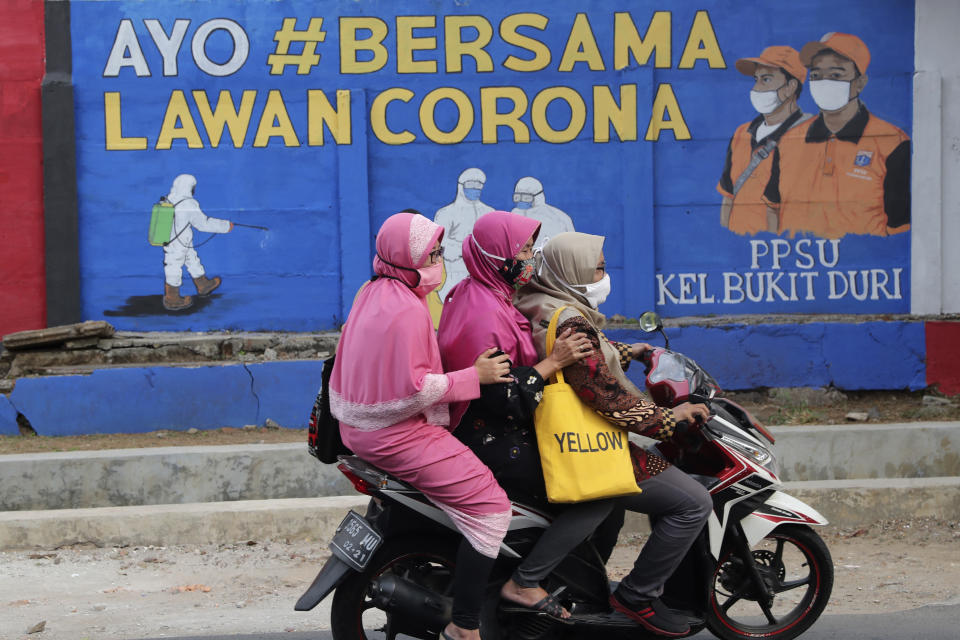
528,200
179,252
458,218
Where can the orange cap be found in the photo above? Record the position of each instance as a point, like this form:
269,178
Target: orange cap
785,58
848,46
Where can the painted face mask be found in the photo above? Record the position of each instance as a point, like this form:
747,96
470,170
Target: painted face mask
471,194
765,101
830,95
524,200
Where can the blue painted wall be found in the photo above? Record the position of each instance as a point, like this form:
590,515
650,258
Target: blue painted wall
138,400
8,418
871,355
655,200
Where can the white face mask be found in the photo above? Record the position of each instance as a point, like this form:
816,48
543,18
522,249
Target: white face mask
765,101
596,292
830,95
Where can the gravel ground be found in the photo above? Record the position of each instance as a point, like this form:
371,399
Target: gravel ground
151,592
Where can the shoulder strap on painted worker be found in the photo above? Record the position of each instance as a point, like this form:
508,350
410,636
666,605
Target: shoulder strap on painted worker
762,152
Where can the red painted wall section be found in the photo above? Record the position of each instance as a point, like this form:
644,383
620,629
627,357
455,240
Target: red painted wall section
22,284
943,356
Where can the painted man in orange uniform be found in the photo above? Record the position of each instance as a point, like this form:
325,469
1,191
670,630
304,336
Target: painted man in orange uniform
845,171
752,155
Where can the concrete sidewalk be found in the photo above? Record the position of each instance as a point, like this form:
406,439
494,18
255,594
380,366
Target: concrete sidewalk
179,475
199,495
846,503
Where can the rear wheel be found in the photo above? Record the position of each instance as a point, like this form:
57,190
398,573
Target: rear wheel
427,562
796,567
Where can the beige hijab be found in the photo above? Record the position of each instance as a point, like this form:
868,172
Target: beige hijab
568,259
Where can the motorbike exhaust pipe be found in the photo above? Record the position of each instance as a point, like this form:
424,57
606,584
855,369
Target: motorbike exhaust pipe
411,602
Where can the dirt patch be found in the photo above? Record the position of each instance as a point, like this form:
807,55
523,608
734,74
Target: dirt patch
102,441
771,407
832,406
148,592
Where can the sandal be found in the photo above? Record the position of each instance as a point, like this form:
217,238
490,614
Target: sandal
548,607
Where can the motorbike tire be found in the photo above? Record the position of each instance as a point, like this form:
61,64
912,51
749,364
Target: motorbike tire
401,555
807,551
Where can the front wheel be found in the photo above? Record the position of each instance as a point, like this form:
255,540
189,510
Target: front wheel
797,569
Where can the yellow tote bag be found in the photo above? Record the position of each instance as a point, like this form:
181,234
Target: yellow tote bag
584,457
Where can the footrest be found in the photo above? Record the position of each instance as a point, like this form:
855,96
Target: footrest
612,620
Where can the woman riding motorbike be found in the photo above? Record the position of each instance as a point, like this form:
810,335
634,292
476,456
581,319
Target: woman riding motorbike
571,272
390,394
478,313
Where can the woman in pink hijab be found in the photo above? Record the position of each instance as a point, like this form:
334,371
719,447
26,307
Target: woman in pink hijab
391,396
498,426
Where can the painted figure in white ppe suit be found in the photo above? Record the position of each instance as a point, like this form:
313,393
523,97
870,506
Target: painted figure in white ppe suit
528,200
179,252
458,218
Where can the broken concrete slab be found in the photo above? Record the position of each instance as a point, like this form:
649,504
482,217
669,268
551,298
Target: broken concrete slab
83,355
57,335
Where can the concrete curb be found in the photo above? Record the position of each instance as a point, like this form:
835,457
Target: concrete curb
851,503
846,503
173,524
164,475
181,475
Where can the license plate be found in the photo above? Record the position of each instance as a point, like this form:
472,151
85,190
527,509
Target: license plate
355,541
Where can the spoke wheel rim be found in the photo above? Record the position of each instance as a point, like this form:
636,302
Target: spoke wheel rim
732,588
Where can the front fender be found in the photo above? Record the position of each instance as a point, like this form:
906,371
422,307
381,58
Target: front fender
780,508
334,572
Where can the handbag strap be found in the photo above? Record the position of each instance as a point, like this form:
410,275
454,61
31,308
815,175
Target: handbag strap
552,337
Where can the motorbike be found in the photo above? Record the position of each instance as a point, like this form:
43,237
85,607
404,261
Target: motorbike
757,569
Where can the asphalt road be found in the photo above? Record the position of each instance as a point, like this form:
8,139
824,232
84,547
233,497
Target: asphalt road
928,623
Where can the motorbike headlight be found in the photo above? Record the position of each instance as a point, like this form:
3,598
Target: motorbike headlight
758,454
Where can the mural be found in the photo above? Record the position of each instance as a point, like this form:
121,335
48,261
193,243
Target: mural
459,216
457,219
529,200
179,250
623,119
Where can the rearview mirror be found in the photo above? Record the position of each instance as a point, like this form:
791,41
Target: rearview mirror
650,321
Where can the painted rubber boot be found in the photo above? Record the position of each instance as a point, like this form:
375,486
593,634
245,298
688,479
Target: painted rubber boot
173,301
205,285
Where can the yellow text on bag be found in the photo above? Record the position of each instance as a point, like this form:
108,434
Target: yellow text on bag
583,456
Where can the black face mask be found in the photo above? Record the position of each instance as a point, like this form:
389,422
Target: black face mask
517,272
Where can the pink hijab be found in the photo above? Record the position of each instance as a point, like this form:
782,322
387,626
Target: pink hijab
388,365
478,313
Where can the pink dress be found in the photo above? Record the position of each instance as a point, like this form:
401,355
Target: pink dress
391,396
